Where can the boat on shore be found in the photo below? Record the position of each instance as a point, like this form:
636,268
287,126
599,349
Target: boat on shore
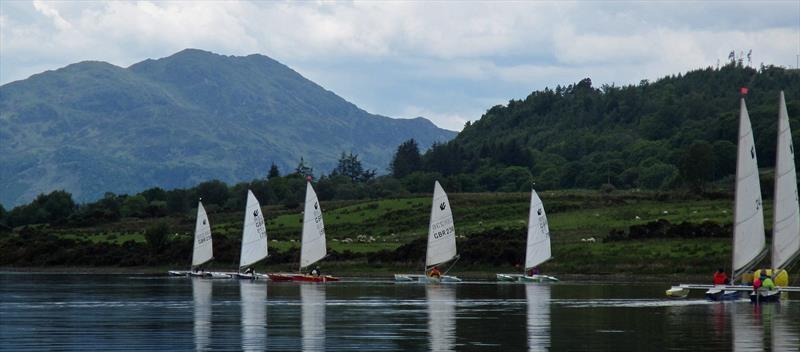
441,242
203,250
537,250
254,239
313,247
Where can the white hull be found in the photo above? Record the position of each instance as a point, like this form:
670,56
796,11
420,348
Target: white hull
423,279
525,278
178,272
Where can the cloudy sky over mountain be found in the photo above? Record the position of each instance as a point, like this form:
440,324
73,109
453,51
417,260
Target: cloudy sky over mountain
446,61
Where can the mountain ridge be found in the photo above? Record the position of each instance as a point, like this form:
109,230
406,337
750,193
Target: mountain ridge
92,127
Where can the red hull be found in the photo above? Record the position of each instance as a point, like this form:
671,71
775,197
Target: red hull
301,278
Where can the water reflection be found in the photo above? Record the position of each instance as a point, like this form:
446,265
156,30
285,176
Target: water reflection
441,316
748,331
254,315
538,298
784,337
201,294
312,297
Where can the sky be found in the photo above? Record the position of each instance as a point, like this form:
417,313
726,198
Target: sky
446,61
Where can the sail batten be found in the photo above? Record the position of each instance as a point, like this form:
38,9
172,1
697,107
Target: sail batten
786,218
313,246
254,234
441,230
537,250
203,248
748,231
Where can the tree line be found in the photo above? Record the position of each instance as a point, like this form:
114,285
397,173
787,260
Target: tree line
675,133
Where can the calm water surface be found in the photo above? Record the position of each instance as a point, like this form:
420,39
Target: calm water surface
123,312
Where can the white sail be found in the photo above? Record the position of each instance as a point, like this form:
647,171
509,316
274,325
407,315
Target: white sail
312,298
538,249
201,294
313,247
748,230
203,250
441,233
254,234
441,317
254,315
786,221
538,298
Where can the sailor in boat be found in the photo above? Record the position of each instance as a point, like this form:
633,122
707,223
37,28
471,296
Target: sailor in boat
435,273
316,272
757,282
720,278
767,284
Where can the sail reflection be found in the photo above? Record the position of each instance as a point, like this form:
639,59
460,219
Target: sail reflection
254,315
312,297
748,330
785,337
538,297
201,294
441,316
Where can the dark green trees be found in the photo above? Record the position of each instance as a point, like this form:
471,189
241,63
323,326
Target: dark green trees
406,160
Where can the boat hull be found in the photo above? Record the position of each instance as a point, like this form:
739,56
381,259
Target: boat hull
210,275
178,273
717,294
765,297
301,278
525,278
417,278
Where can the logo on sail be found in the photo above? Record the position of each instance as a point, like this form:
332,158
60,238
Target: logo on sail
442,206
316,205
204,221
539,212
255,213
753,152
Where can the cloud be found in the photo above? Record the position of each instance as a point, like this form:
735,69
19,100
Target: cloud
394,57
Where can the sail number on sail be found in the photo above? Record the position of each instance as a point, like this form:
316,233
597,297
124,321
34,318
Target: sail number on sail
260,228
203,237
443,228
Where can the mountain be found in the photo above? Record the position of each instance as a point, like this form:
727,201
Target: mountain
678,130
93,127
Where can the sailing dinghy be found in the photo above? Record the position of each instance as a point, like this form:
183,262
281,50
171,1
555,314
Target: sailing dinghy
313,246
441,241
748,219
786,214
254,239
537,250
203,249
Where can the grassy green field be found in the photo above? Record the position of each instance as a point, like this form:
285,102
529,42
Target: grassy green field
573,215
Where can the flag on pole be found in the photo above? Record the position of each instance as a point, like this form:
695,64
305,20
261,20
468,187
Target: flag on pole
743,90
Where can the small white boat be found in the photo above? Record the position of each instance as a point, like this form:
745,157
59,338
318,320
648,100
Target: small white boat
203,251
313,247
254,239
537,250
749,243
441,241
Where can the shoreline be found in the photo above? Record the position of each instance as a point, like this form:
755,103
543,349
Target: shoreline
480,275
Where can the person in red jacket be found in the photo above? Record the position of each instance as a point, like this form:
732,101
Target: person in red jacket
720,278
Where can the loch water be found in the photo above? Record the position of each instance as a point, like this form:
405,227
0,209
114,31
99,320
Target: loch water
137,312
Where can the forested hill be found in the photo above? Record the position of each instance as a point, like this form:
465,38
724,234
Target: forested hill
92,127
675,131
